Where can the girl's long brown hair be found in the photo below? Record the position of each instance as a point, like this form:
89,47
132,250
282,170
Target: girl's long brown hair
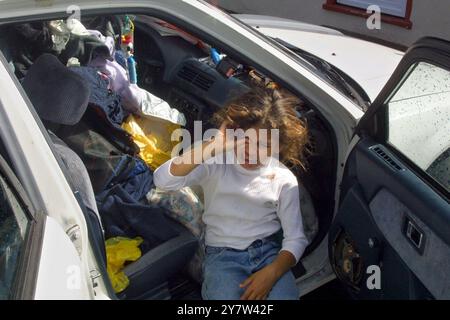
270,109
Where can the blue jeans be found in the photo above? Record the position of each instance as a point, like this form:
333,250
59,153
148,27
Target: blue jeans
225,268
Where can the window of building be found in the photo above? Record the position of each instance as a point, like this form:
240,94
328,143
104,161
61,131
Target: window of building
396,12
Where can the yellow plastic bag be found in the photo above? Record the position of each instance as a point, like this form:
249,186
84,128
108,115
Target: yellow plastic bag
118,251
153,137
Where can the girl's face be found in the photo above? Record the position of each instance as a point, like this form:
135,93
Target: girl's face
256,149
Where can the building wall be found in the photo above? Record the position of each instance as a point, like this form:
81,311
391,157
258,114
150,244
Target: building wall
429,17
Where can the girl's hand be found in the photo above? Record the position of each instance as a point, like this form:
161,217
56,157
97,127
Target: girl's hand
259,284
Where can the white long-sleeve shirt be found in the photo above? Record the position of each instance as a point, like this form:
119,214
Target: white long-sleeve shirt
243,205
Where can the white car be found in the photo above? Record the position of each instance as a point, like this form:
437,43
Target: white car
378,183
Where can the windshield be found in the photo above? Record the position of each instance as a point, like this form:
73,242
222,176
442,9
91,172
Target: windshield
328,72
333,75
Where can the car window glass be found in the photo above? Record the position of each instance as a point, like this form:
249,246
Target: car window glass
419,120
13,229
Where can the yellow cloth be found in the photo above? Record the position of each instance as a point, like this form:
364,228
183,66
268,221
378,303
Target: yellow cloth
153,137
118,251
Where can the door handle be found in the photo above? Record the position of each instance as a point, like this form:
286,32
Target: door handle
415,235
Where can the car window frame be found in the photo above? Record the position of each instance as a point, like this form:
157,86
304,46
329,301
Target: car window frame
25,279
381,127
40,217
413,69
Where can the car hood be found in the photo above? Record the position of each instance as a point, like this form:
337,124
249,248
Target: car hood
369,64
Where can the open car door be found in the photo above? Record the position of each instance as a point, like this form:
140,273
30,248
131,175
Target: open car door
391,236
36,255
38,258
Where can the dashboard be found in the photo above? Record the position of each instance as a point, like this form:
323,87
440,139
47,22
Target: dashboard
182,74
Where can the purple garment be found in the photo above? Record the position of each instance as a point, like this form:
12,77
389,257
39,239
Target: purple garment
130,93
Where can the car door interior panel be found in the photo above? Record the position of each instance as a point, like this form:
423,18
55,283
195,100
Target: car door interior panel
426,255
374,227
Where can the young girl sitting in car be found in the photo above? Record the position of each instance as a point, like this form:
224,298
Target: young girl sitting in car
254,230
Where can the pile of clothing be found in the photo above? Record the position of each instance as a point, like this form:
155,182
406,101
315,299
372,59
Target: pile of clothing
100,58
124,133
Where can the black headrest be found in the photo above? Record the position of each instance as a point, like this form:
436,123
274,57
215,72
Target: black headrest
58,94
